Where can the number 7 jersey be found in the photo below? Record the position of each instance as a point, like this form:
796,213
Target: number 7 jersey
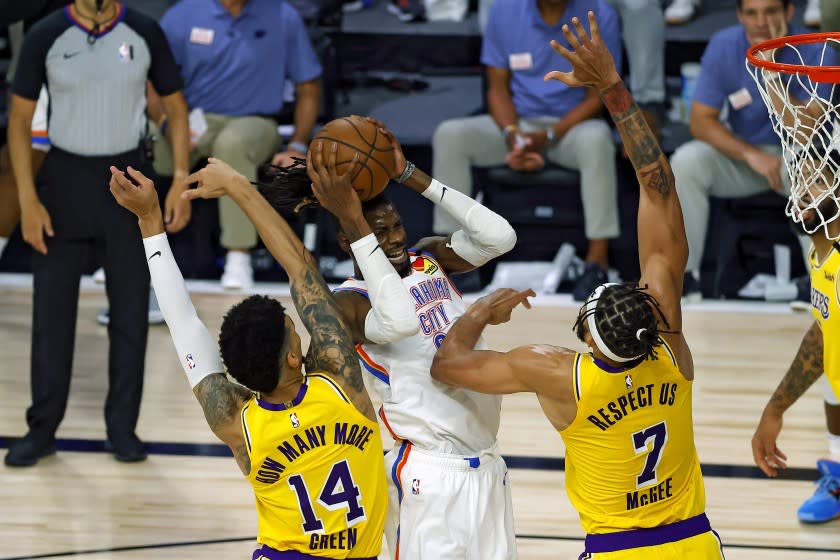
317,473
630,456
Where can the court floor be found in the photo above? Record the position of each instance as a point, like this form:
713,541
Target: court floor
188,499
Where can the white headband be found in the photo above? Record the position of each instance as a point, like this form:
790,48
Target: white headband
591,304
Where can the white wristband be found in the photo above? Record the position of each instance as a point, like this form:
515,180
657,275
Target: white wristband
392,316
197,351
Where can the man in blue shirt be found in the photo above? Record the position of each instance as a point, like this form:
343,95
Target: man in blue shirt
236,58
531,120
742,156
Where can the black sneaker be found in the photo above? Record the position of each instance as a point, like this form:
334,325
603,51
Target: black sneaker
26,451
692,289
127,448
592,277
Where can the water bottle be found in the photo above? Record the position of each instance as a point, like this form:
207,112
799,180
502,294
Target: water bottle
688,81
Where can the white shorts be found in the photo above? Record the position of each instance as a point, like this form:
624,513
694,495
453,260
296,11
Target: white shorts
40,136
448,507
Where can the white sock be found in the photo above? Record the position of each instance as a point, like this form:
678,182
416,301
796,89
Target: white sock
3,241
834,447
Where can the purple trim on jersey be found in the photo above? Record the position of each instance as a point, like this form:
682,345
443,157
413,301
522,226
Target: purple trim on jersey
267,552
612,369
282,406
639,538
351,289
103,30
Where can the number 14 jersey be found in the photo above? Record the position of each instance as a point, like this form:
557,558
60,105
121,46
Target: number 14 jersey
630,456
317,473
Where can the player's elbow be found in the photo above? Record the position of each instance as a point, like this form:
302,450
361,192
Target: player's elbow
440,368
504,238
392,327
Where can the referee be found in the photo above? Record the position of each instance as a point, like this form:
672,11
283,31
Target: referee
95,58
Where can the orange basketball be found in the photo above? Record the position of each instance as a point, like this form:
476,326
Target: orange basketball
355,135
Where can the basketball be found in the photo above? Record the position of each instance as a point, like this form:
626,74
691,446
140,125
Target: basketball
355,135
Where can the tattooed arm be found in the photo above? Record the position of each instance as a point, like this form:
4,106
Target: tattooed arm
663,248
331,348
806,368
221,400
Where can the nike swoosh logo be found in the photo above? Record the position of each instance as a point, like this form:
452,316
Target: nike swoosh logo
70,55
155,254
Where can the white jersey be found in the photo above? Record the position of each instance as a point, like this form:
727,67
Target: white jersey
416,408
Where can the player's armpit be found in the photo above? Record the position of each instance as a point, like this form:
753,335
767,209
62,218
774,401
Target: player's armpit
331,350
354,308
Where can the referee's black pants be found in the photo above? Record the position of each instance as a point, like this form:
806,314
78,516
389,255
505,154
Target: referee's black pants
85,217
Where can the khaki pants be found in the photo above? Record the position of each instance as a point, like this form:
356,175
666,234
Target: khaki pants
702,171
242,142
588,147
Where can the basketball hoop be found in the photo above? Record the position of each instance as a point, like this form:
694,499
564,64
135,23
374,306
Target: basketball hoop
798,82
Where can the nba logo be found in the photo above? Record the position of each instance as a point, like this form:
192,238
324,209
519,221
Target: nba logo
415,486
190,361
126,52
629,382
295,423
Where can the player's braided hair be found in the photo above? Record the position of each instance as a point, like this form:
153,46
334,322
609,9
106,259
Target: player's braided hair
627,318
289,188
252,340
286,187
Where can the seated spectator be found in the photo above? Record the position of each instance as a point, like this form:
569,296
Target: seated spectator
236,57
531,120
679,12
643,31
742,156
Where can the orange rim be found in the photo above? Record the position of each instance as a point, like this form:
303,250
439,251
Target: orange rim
820,74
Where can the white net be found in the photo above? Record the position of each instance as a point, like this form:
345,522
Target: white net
804,110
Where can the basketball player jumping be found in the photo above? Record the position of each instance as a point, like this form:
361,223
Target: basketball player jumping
623,410
445,466
308,443
819,353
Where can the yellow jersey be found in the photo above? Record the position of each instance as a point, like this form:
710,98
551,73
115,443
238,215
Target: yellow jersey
630,456
318,473
825,307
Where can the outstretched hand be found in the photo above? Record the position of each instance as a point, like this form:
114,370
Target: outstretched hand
139,197
501,303
592,62
766,453
333,190
213,180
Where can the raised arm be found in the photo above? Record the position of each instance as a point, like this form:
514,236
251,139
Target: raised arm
663,248
220,399
484,234
331,349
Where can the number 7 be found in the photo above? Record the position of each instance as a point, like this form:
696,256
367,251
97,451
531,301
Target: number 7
659,434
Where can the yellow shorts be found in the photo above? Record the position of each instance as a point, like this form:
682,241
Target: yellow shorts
705,546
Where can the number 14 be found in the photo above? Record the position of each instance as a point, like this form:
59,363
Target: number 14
339,491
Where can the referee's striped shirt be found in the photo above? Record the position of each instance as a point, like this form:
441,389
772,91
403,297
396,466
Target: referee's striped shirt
97,88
